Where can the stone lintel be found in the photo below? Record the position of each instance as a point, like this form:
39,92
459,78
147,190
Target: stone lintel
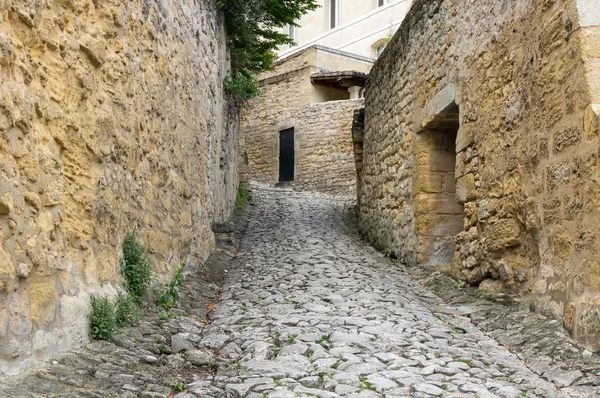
286,124
443,100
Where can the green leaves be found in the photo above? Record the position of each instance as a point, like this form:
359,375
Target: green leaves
106,316
102,318
137,266
241,86
177,386
169,296
241,198
252,32
127,312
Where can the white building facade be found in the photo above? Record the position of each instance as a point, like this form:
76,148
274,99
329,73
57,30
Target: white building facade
361,27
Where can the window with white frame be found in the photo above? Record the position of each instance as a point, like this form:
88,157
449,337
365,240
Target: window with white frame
334,13
383,2
292,33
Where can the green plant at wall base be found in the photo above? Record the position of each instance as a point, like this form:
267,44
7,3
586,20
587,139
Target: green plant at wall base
137,266
164,315
242,197
127,312
102,318
169,296
177,386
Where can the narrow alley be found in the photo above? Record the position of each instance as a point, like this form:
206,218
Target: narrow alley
310,310
300,198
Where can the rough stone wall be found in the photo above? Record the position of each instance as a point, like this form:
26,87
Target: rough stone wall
324,159
293,63
324,149
509,79
111,117
358,136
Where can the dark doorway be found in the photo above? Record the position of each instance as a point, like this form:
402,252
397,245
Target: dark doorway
286,155
439,216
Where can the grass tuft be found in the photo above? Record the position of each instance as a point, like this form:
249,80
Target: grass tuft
242,197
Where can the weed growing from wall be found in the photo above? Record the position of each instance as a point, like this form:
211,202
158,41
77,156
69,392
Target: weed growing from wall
242,87
107,316
242,197
137,266
103,323
127,312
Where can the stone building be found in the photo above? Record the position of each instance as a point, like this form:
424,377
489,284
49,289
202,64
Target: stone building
298,131
111,117
481,148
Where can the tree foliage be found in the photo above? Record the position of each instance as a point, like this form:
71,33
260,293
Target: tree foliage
244,86
253,32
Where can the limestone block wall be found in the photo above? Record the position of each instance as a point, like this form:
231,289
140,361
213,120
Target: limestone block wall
508,94
324,160
358,136
324,149
111,117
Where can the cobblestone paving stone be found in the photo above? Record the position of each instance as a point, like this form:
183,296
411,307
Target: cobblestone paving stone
312,311
540,341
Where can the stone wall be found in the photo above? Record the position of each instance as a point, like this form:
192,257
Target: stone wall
358,137
491,111
111,117
324,159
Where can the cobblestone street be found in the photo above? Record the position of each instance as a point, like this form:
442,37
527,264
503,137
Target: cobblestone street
316,312
309,309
